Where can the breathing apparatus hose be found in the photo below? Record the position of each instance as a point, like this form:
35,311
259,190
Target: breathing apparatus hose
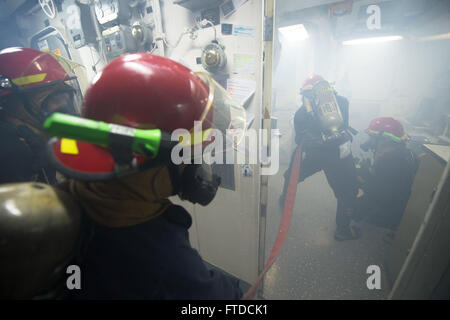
284,223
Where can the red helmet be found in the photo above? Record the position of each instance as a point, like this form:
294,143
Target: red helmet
387,127
146,91
25,68
311,81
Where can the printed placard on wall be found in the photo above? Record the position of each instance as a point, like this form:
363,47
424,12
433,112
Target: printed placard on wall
241,89
248,31
244,63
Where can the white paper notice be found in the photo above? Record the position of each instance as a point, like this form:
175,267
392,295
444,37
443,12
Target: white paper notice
244,63
241,89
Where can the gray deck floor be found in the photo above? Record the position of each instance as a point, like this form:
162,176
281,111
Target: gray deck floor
312,265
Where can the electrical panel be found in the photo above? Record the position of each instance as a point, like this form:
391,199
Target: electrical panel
50,40
78,23
123,26
118,41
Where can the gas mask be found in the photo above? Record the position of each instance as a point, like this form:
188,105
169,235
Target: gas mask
196,183
369,145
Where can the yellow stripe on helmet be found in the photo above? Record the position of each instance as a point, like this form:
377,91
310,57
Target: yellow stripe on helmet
21,81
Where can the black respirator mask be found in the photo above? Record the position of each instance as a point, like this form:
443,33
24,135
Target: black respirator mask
369,145
197,183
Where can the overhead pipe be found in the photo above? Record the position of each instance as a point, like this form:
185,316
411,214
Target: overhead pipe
159,38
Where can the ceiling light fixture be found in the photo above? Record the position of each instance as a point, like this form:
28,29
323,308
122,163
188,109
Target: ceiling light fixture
443,36
294,33
371,40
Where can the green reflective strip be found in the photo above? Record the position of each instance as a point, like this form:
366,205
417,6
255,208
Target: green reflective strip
76,128
60,125
389,135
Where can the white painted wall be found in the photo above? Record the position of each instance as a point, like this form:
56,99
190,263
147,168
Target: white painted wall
226,231
396,75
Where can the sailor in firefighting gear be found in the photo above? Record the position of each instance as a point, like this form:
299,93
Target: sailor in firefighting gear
387,178
321,128
33,85
134,242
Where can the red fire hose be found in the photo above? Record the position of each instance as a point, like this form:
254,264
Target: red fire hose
284,224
